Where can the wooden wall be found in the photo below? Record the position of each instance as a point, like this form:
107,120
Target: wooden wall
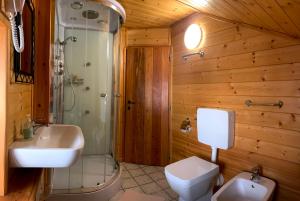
4,63
148,37
44,13
17,99
240,64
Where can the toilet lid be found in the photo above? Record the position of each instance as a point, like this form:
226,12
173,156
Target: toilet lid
192,169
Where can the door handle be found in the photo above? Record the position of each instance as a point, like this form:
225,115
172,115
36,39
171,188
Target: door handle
129,102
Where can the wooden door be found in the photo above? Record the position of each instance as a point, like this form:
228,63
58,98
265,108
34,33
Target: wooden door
147,106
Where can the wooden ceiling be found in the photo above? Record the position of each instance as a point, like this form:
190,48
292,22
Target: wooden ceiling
154,13
277,15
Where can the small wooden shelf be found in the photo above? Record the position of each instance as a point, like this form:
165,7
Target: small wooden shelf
24,185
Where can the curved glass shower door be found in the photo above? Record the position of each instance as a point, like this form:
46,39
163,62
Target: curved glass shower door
86,65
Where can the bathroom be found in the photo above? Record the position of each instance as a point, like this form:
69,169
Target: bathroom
110,100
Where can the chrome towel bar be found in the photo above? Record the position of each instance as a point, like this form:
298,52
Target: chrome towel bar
251,103
201,54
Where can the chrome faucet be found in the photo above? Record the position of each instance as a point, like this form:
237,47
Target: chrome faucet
255,174
36,126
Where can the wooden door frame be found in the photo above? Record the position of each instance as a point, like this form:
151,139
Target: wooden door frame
123,103
4,72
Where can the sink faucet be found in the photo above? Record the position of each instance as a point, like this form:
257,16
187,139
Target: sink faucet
35,126
255,174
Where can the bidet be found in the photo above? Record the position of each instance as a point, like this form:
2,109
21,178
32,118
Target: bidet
242,188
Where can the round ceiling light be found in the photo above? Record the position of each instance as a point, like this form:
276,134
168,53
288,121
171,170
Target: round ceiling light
192,36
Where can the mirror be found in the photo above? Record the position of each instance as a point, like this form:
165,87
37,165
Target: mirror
24,61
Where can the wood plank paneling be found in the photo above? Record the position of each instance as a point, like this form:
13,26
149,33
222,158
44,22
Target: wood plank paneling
4,72
150,37
281,16
153,13
247,64
41,98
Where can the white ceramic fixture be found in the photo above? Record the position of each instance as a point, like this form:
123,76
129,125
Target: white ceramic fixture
241,188
194,178
55,146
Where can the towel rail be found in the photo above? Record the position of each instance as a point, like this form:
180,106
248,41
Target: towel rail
249,103
201,54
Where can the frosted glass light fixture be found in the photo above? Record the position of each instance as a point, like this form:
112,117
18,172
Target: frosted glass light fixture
192,36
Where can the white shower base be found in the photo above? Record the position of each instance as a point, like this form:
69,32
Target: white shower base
90,171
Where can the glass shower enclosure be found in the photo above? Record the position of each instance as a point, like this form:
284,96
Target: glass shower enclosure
85,87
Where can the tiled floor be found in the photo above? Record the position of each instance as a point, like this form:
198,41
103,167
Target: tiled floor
146,179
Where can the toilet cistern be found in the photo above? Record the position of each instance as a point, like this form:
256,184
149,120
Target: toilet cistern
216,129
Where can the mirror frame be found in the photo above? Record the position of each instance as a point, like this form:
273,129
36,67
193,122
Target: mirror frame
22,76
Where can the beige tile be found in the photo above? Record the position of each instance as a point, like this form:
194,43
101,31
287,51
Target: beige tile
151,188
157,176
149,169
128,183
136,196
161,169
136,172
171,193
137,189
163,183
117,196
163,194
131,166
144,179
125,174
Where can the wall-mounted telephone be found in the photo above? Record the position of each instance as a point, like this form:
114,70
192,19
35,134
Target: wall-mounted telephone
13,7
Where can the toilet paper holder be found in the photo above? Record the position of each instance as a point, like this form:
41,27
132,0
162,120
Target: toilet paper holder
186,126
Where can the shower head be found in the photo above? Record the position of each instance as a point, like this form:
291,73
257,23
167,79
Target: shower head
72,38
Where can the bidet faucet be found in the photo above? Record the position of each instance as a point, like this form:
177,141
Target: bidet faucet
255,174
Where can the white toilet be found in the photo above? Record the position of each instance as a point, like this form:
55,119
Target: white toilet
194,178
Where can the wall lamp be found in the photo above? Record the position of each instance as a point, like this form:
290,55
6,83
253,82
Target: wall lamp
192,40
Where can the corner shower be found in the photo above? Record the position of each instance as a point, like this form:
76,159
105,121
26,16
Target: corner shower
84,87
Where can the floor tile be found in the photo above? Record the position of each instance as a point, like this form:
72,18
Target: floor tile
117,196
136,172
151,188
171,193
163,183
157,176
128,183
161,169
149,169
137,189
164,195
144,179
131,166
125,174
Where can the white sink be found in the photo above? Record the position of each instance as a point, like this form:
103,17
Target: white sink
55,146
241,188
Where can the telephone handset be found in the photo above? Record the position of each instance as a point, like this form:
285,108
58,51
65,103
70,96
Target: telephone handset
13,7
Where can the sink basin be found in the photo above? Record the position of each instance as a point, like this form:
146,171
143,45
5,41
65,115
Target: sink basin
241,188
55,146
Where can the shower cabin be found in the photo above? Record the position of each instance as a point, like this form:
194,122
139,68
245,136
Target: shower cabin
84,88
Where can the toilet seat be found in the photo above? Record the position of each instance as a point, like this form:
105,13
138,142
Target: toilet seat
191,170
